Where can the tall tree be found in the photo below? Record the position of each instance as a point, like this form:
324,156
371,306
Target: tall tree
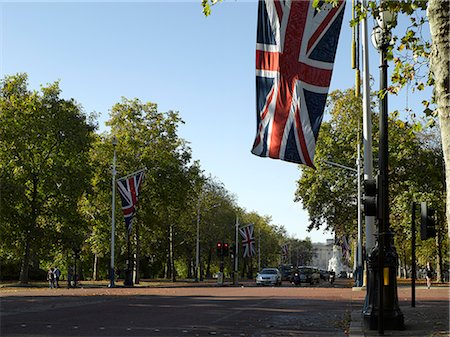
44,144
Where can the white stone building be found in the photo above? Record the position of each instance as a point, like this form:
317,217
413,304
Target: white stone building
322,253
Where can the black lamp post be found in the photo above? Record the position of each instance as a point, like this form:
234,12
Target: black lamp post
381,308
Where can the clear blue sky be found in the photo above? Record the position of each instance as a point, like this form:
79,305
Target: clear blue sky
170,54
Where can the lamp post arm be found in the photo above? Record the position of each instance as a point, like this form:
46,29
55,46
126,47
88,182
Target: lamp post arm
341,166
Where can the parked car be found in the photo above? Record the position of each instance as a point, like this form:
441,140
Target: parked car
268,276
309,275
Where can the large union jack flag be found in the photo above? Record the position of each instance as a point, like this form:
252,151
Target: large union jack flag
248,240
295,51
129,189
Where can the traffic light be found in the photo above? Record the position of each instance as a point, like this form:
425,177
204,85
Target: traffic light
225,249
427,222
219,249
370,197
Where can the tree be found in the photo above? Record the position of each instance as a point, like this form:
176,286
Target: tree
148,138
329,194
44,144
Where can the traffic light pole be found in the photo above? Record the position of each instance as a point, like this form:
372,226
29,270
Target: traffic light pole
413,254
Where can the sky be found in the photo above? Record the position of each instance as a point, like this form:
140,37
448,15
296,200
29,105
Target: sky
169,53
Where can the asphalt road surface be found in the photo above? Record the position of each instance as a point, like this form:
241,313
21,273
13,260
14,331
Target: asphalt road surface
180,311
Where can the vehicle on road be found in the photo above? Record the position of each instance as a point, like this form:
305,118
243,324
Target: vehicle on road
324,274
286,271
309,275
268,276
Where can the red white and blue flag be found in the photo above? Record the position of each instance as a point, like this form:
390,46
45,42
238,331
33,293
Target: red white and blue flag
129,189
285,251
248,240
295,51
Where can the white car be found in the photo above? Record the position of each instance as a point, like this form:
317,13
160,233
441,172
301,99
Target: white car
268,276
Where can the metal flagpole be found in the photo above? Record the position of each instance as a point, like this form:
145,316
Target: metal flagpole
259,249
236,255
359,267
367,131
111,269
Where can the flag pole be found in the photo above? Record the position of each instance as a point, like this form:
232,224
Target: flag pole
259,249
367,132
113,206
236,255
133,174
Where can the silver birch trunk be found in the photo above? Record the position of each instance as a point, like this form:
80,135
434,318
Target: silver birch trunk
438,16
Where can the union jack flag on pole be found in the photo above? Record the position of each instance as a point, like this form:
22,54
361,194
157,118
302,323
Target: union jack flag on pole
295,50
248,240
285,251
129,189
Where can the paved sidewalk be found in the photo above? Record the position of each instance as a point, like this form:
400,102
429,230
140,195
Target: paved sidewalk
430,316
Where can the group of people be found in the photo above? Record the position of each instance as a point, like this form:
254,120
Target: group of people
53,276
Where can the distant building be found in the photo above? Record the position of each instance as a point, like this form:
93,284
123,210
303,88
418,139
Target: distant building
322,253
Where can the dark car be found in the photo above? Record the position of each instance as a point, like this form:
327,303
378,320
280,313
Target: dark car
324,274
309,275
286,271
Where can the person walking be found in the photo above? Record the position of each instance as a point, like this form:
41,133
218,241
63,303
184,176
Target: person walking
57,273
51,278
429,274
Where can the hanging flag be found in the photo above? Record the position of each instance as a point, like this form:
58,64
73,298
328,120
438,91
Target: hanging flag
345,247
248,240
129,189
295,51
285,251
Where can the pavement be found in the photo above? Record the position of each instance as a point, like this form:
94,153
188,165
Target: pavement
429,317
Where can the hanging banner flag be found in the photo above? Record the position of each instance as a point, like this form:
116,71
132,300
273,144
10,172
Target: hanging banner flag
345,248
285,251
129,189
295,50
248,240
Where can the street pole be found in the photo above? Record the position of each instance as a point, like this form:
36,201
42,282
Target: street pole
197,245
236,255
111,270
259,249
359,265
381,310
358,257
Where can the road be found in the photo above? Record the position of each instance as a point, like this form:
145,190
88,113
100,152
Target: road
189,309
180,311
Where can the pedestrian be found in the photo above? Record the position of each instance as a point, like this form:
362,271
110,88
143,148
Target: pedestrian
57,273
429,274
51,278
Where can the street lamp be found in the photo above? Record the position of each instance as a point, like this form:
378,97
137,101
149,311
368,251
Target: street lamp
111,269
381,309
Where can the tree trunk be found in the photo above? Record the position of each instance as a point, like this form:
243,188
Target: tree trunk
439,18
95,268
208,263
439,257
23,278
172,259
